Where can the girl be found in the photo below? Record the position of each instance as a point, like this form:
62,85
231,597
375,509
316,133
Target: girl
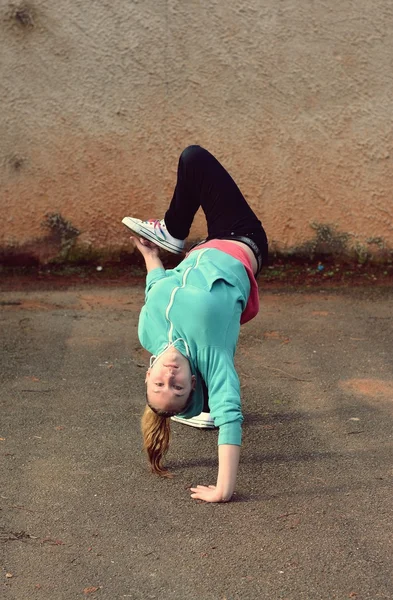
192,314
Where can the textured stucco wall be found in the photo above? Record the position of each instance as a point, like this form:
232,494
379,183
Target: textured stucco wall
98,98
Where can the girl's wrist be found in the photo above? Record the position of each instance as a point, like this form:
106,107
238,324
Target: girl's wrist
153,262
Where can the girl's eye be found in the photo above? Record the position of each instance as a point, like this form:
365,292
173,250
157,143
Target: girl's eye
178,387
159,384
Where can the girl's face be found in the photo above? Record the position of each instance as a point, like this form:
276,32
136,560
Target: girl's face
169,381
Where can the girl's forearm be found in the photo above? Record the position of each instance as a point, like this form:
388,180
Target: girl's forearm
152,261
228,462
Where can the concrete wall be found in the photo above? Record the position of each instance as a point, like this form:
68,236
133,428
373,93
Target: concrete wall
98,98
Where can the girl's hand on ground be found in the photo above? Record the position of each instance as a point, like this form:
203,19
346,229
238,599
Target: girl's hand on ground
207,493
145,247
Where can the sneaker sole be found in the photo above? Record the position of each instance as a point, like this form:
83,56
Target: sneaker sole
147,234
194,423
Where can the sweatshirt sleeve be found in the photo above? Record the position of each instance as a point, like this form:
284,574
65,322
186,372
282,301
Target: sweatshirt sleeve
218,370
152,277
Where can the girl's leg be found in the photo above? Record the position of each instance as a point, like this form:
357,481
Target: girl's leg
203,181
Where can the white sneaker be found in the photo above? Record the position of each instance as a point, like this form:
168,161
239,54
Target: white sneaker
202,421
155,231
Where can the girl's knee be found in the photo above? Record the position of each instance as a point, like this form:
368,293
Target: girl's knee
192,154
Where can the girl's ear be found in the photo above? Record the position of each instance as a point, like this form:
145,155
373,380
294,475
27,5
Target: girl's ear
193,382
147,375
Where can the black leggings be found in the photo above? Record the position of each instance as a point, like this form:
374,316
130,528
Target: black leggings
203,181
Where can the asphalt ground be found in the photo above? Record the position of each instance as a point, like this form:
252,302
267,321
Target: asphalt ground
82,517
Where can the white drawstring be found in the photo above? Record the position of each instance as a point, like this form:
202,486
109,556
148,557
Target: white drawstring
155,357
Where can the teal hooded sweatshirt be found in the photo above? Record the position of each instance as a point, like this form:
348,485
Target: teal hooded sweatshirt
197,307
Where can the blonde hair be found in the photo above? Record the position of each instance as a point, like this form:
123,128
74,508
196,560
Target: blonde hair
156,431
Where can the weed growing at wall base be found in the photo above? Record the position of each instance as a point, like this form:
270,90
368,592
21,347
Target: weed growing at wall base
62,233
